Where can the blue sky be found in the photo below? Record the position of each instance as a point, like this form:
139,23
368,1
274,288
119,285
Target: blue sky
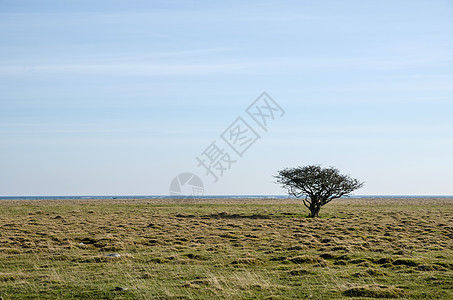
119,97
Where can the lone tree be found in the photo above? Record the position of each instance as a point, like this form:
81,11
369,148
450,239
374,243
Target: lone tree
318,185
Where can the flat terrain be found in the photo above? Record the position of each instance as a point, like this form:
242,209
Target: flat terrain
226,249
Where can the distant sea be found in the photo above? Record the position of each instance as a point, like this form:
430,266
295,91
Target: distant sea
199,197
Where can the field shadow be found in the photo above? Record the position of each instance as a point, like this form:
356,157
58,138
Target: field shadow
224,215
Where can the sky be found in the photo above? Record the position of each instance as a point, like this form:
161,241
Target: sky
120,97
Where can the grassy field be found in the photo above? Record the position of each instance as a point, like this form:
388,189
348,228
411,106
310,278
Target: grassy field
226,249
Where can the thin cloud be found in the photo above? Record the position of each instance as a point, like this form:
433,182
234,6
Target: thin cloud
272,64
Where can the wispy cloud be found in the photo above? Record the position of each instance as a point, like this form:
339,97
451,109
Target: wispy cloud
135,67
130,68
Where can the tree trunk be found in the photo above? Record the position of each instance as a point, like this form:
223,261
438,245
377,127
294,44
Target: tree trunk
314,211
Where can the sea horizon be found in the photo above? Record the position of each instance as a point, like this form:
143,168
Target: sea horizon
232,196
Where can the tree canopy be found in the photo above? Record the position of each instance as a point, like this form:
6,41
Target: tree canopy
317,185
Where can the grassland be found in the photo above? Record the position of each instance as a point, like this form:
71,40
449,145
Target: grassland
226,249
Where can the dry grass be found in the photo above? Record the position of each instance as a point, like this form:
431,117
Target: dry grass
217,248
